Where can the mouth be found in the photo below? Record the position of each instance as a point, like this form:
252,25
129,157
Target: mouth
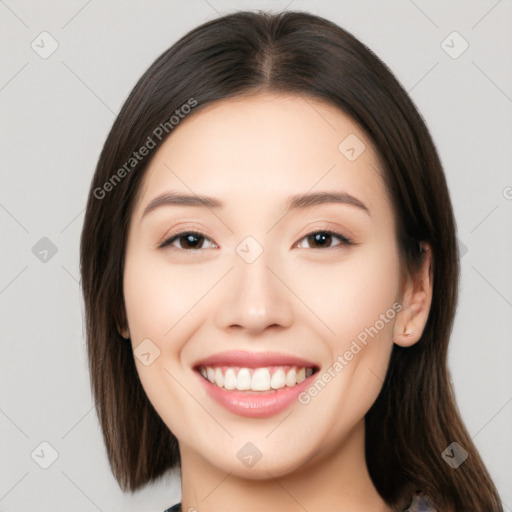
256,385
255,379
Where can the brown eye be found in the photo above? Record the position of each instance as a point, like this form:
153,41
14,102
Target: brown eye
193,240
323,240
187,240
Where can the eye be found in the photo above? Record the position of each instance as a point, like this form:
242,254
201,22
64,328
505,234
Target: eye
186,240
192,240
322,239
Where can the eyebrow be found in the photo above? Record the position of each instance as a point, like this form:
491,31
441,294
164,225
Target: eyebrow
298,201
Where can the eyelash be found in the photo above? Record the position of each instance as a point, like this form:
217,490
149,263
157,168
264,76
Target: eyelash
344,241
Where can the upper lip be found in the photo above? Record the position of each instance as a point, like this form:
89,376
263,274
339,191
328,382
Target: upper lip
246,359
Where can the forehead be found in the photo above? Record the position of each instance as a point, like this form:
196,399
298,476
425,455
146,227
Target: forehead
263,147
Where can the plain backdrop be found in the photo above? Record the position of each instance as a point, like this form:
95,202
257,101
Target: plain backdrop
56,110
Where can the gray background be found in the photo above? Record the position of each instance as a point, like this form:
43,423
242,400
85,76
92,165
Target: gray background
56,113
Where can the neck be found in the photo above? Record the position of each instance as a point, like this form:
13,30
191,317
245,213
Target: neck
336,480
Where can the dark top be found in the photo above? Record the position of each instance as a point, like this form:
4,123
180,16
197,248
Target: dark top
419,503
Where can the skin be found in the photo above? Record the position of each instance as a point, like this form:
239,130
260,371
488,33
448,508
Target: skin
252,153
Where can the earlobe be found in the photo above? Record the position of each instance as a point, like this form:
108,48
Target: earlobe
407,338
416,302
123,331
122,323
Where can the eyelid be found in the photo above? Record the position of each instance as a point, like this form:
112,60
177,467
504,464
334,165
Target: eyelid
344,240
172,238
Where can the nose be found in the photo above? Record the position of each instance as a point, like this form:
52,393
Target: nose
255,297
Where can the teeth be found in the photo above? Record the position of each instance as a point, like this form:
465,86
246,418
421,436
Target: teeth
230,379
278,380
219,378
255,379
291,378
243,381
261,380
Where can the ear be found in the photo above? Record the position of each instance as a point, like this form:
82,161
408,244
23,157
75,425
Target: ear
125,333
122,328
416,300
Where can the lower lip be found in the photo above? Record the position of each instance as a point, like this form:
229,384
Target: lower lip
255,404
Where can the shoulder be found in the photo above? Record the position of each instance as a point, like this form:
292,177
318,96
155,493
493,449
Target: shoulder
420,503
175,508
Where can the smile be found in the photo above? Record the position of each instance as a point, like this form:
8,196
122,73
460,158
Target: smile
255,379
256,385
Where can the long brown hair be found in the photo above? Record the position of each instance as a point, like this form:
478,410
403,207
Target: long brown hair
415,417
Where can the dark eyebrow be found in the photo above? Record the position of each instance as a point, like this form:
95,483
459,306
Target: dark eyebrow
294,202
317,198
173,198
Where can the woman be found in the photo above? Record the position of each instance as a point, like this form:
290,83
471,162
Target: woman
270,274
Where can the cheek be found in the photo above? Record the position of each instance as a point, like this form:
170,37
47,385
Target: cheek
158,305
350,296
158,295
355,299
364,325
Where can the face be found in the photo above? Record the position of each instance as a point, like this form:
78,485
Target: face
262,320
